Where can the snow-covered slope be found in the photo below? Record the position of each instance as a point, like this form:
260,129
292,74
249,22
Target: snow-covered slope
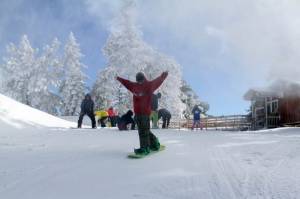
17,115
91,163
61,163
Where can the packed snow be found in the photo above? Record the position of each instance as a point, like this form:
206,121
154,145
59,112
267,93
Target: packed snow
43,157
16,115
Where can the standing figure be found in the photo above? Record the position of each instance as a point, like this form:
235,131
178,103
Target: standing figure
125,120
196,112
112,115
87,108
154,107
142,91
166,117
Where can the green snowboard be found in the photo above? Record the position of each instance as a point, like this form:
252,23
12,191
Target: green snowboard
136,156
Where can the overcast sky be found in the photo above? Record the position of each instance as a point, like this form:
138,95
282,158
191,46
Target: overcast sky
224,46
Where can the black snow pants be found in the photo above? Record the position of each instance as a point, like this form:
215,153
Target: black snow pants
147,138
91,116
166,122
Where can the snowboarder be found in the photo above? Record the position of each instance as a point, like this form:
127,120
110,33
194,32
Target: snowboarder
166,117
87,108
196,113
125,120
154,107
142,91
112,115
101,116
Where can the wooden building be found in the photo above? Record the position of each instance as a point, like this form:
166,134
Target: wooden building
270,109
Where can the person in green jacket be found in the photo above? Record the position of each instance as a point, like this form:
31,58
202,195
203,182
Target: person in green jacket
154,112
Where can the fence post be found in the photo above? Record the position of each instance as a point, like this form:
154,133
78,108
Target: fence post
234,121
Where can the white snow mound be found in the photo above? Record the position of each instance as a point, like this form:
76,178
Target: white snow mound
17,115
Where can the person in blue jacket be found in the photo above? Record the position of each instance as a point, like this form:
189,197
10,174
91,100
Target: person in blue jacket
196,116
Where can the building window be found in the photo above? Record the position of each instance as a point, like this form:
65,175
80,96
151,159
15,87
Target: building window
272,106
275,106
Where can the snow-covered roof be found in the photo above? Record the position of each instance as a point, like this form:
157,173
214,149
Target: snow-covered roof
278,88
254,93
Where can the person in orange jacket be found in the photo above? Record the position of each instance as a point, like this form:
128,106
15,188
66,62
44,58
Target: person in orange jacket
113,116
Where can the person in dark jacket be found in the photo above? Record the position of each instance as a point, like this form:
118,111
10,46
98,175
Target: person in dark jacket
196,113
166,117
87,108
142,91
125,120
154,107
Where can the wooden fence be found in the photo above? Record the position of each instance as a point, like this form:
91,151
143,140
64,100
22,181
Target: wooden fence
230,123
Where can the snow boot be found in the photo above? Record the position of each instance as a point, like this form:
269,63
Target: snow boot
142,151
155,146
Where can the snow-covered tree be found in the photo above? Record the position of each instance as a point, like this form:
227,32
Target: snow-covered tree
128,54
44,84
18,69
110,93
1,79
190,99
73,86
103,90
30,78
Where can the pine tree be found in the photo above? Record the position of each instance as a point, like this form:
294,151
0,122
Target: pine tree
18,69
128,54
45,81
73,86
103,90
32,79
190,99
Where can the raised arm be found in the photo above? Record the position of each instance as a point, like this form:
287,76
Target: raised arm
128,84
158,81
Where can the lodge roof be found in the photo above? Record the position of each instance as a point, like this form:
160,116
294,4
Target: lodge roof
255,93
277,89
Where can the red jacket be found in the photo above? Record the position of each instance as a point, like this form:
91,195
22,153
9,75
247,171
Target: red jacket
142,93
111,112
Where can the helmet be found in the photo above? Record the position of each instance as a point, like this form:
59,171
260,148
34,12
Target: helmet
140,77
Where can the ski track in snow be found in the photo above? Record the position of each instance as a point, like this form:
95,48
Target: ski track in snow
260,177
206,164
234,175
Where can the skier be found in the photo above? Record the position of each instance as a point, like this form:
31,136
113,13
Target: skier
154,113
112,115
87,108
125,120
142,91
196,112
166,117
